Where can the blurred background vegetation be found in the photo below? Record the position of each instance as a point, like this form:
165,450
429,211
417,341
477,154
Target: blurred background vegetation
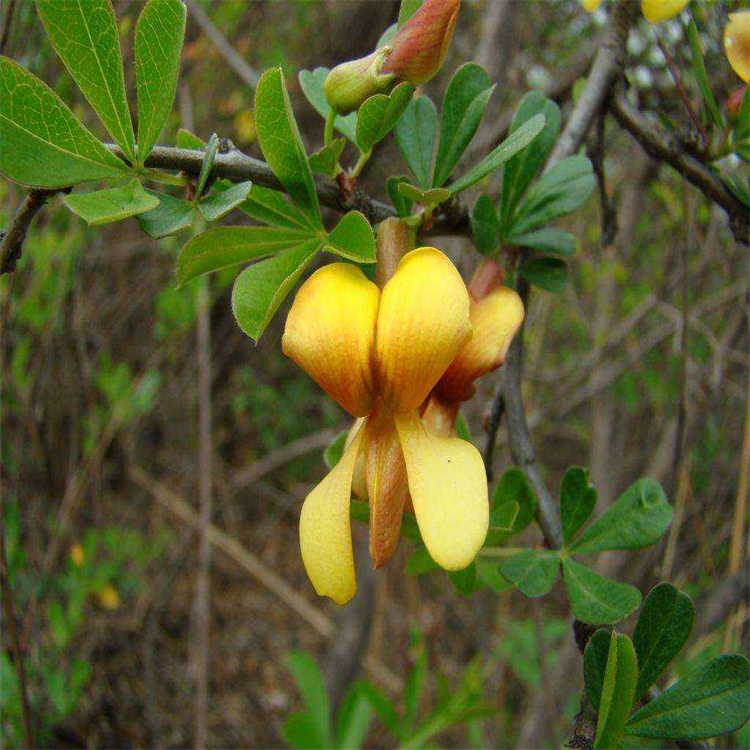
100,424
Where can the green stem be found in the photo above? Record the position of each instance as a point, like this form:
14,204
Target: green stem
364,157
166,178
328,133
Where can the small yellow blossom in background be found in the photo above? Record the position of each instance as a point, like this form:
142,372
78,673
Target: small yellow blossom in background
108,597
737,43
77,555
244,127
656,11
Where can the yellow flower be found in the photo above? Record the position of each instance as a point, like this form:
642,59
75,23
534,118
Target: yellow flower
496,315
737,43
77,555
379,355
108,597
591,5
660,10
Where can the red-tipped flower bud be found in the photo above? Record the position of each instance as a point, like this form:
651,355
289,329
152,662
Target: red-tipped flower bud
420,45
350,83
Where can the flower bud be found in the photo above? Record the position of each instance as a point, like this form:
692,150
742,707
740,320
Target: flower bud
420,45
737,43
350,83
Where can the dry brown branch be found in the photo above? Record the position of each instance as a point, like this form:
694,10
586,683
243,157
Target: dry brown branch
665,147
263,574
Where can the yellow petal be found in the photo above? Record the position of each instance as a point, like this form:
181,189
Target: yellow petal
359,481
330,333
448,487
737,43
422,324
325,535
591,5
386,484
495,320
660,10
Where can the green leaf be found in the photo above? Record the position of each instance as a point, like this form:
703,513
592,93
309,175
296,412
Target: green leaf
489,575
595,665
381,705
708,702
663,628
499,155
332,454
301,733
638,518
42,144
503,517
701,78
311,83
326,160
617,691
533,571
560,191
550,274
401,203
462,427
220,202
513,487
596,599
352,238
353,719
415,138
485,228
431,197
577,500
407,10
171,216
221,247
113,204
463,106
379,114
547,240
312,688
261,288
520,170
84,35
272,207
282,144
419,562
464,581
186,139
209,155
159,36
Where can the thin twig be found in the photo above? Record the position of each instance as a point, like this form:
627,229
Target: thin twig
320,622
681,89
232,58
736,548
7,21
665,147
